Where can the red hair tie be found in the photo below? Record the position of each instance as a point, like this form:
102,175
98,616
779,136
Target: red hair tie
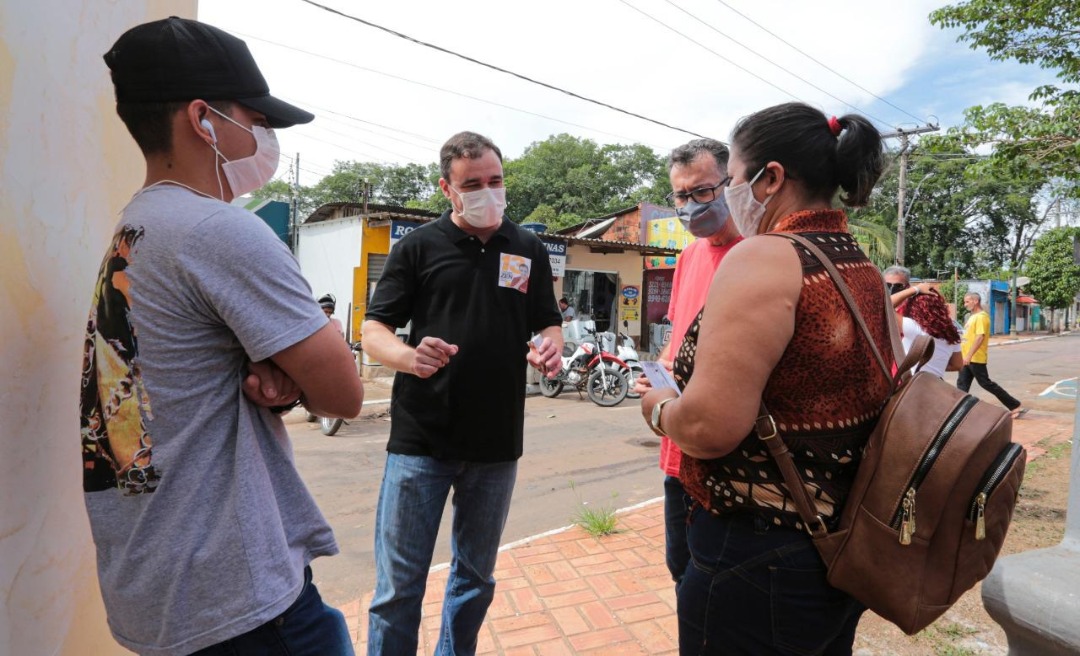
834,126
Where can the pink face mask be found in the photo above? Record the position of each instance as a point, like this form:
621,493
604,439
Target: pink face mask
247,174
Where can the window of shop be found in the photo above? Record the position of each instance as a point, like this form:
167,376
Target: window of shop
593,295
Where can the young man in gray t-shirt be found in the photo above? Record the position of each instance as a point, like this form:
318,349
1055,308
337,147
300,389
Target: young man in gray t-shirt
200,324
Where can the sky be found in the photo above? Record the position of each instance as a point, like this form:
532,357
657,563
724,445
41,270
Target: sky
694,65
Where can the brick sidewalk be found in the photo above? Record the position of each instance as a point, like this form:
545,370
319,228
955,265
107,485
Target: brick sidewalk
568,593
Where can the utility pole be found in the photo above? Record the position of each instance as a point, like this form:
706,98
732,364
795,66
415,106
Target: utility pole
294,224
903,136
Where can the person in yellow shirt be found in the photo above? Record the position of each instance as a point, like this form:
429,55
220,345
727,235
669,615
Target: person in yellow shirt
974,347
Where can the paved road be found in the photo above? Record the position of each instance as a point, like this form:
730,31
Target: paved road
603,451
1026,369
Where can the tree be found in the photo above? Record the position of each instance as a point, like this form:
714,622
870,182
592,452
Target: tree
389,184
1045,33
577,178
1055,278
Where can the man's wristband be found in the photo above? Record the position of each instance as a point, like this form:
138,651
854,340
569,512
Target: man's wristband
280,409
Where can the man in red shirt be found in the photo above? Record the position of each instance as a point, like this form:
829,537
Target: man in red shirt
698,172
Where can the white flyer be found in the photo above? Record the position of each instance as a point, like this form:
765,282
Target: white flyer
659,377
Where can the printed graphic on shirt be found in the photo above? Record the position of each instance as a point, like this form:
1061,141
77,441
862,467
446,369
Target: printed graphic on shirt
113,403
514,272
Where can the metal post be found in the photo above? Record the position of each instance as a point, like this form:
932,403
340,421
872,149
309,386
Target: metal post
900,228
294,223
900,200
1012,312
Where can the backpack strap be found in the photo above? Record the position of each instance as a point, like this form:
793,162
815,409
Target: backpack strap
765,426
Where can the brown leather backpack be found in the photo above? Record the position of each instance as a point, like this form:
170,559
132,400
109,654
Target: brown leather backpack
933,496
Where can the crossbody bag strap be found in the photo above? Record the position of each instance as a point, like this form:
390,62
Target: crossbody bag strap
765,427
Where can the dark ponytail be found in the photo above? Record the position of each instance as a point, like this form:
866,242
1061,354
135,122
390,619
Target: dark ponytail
859,159
801,139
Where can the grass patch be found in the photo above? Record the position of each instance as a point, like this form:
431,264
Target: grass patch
1053,452
946,634
597,521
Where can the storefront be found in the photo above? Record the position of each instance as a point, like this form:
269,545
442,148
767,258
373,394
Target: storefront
661,237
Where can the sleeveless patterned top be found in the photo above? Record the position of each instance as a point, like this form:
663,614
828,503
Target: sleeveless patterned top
824,394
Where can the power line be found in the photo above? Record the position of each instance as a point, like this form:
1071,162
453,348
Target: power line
502,70
763,57
448,91
705,47
819,63
320,126
379,125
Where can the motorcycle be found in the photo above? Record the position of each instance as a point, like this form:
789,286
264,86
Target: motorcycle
587,365
329,426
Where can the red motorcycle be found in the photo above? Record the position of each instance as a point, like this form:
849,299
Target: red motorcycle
588,366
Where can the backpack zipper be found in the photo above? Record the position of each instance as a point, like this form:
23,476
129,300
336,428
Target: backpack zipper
991,479
904,517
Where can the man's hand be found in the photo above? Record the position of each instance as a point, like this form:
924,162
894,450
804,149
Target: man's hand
267,385
545,357
431,354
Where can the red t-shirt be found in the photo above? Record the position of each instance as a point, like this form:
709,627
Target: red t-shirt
689,289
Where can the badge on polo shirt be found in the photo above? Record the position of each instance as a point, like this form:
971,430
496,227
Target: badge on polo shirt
514,271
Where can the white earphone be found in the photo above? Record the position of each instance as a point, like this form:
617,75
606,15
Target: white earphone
209,128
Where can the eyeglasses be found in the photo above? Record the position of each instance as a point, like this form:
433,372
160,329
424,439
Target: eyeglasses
700,195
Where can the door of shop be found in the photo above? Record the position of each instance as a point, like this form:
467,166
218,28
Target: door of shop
593,295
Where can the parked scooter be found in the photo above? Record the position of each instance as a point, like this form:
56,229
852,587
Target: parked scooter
587,365
626,351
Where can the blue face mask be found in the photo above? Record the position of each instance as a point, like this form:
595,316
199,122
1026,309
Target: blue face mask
704,219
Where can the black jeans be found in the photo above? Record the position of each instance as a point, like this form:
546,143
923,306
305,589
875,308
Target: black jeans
676,510
755,588
977,370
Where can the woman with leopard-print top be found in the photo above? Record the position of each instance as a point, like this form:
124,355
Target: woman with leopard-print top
775,329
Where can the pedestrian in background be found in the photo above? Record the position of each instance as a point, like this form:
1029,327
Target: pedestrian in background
203,528
772,332
924,313
458,406
698,174
975,348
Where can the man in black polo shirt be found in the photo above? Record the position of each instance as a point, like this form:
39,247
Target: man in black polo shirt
459,395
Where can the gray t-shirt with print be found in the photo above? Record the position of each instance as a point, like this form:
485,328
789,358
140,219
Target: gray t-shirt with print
201,521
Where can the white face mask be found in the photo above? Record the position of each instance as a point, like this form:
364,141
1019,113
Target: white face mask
483,208
746,210
250,173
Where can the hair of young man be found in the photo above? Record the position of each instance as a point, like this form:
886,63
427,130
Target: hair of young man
150,123
685,154
974,296
468,145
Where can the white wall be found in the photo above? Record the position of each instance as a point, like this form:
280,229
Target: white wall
328,252
67,167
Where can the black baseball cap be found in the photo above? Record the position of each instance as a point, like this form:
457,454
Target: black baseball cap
177,59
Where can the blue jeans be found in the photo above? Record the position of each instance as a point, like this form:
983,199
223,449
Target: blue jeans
308,628
755,588
411,502
676,509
